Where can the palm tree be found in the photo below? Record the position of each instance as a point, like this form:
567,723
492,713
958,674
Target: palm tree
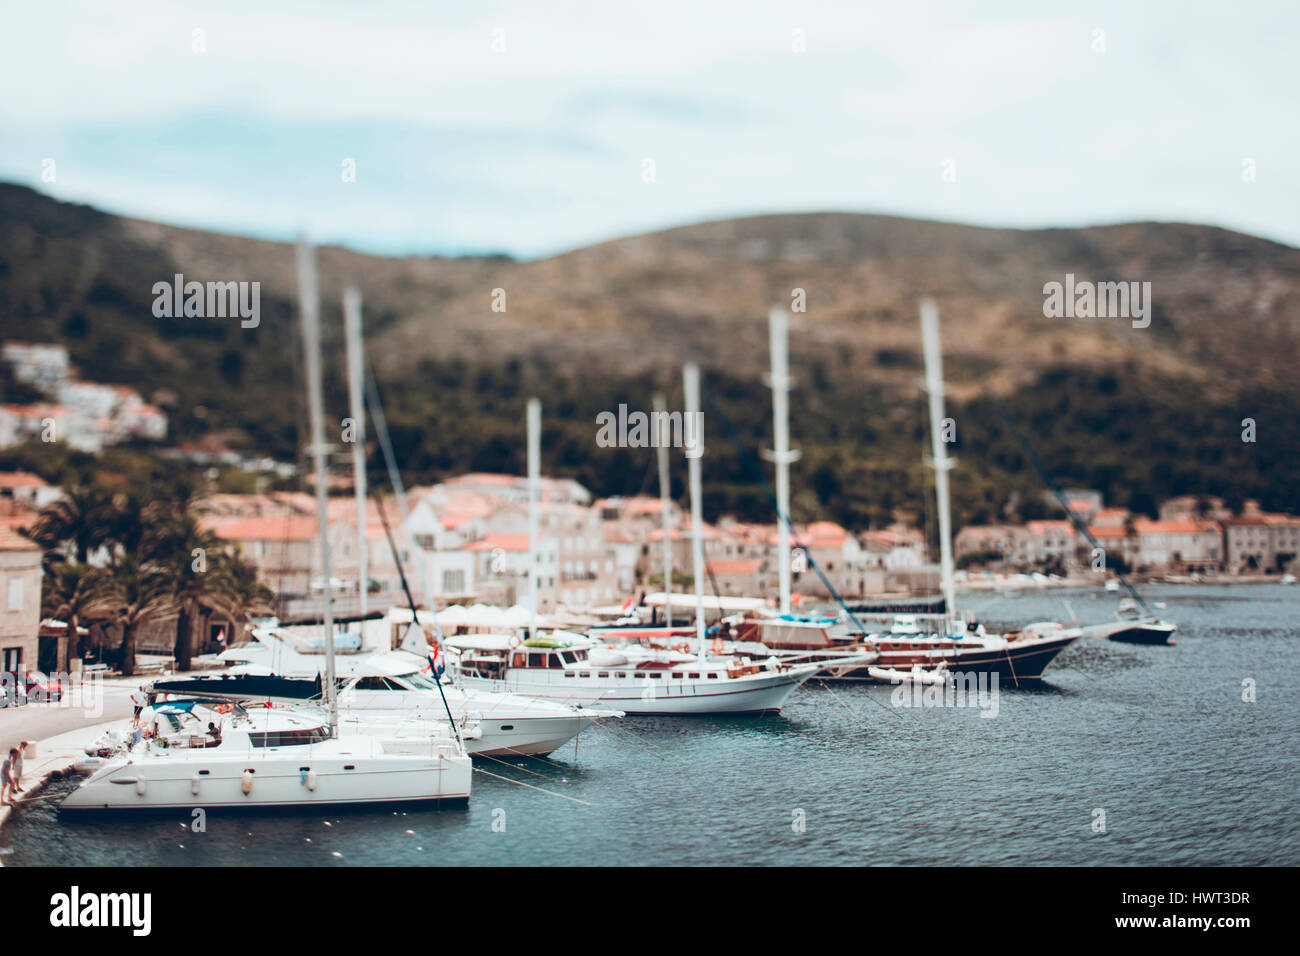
143,594
127,525
251,597
82,518
192,559
75,593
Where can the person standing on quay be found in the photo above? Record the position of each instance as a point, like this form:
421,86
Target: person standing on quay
6,778
17,770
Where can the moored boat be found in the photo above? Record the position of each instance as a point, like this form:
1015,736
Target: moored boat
636,683
270,758
380,687
1134,627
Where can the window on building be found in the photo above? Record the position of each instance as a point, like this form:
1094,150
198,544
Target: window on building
15,594
453,581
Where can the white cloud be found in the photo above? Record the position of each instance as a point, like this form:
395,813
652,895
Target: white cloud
539,148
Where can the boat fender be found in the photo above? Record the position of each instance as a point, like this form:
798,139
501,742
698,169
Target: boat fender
309,779
140,785
246,783
194,785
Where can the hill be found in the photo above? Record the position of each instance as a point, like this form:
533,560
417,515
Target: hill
1139,413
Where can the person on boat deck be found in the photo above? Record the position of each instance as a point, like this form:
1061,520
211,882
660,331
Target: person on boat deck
137,701
214,732
146,722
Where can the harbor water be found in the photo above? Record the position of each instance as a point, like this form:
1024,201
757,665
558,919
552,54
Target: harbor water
1126,755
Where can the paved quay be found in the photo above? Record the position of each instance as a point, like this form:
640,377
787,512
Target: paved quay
61,729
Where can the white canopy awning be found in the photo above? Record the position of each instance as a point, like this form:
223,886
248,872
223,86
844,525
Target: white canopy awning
711,602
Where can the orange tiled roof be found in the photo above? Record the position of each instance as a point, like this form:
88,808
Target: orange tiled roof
1105,532
825,534
485,478
21,479
1181,526
506,542
285,528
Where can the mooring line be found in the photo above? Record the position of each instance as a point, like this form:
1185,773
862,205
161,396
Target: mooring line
889,710
520,783
513,766
520,753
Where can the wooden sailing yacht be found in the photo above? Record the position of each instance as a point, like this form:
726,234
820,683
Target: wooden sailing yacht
905,641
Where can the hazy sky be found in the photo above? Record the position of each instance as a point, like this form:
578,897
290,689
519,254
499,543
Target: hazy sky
543,146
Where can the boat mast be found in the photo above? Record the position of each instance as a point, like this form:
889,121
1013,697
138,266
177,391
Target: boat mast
309,309
781,455
534,489
666,521
691,386
938,448
403,508
356,380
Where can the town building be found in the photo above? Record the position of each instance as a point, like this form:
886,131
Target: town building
1257,542
20,602
87,416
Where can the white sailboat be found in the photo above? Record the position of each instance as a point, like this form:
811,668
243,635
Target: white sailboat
573,668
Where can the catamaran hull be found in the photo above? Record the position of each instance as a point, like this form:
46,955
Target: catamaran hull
163,785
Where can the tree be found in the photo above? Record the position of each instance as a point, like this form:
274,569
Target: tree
75,593
143,594
193,562
251,597
127,525
82,518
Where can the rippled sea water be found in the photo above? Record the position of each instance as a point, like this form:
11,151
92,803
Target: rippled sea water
1158,738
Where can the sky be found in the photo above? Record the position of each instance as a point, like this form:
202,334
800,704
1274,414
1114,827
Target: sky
535,128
